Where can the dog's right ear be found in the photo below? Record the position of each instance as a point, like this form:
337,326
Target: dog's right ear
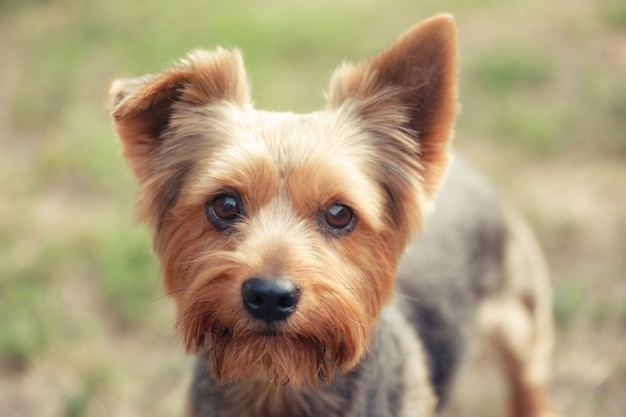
143,107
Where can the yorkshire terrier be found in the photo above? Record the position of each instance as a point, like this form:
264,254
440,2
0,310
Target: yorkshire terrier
290,242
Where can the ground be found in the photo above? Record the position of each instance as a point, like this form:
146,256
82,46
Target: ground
85,330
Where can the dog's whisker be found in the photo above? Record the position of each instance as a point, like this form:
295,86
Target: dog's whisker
407,297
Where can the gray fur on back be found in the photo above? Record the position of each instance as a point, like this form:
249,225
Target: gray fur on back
457,260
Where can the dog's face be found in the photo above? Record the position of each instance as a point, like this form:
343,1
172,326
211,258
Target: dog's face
279,235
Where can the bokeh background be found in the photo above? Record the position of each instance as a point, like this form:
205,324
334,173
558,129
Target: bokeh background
84,329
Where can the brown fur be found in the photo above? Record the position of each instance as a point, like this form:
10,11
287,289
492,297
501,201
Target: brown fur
190,134
195,121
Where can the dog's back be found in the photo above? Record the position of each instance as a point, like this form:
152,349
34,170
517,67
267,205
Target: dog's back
477,268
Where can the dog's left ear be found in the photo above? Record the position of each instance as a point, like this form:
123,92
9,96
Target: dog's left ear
406,97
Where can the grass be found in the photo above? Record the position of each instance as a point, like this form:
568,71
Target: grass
539,129
33,326
571,296
77,405
77,275
503,69
129,274
614,15
25,287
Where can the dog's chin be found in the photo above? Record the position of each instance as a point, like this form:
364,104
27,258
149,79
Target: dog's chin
273,357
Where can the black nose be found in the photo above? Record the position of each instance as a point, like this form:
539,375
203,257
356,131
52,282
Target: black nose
270,299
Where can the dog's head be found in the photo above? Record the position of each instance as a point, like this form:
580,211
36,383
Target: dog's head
279,235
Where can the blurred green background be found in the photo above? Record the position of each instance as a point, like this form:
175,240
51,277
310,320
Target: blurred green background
84,329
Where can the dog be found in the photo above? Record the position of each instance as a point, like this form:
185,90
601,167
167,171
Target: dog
337,263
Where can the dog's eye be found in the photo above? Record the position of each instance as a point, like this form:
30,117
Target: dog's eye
339,217
223,210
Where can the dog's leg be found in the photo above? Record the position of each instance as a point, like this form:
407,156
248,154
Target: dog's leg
517,320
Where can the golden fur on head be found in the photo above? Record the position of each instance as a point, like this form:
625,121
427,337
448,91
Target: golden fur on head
380,148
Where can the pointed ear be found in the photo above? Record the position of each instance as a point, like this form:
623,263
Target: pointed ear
143,107
406,96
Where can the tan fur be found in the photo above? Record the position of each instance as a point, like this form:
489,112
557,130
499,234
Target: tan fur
423,99
195,117
518,323
381,147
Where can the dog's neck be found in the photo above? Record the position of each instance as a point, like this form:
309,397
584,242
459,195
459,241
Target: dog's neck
371,385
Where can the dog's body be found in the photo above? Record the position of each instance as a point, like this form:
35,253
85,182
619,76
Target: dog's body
280,237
